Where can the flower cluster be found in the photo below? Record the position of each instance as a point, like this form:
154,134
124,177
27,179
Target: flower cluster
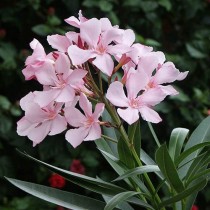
70,89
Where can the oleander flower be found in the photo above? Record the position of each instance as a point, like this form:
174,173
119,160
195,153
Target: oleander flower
87,125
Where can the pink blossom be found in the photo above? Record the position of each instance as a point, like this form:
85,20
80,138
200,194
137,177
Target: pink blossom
40,122
133,103
60,82
37,61
87,127
159,72
99,44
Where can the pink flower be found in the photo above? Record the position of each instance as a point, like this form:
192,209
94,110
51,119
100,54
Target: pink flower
57,181
37,61
77,167
164,72
100,46
133,103
87,127
60,82
40,122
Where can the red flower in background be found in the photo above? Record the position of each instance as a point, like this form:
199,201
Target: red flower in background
57,181
194,207
77,167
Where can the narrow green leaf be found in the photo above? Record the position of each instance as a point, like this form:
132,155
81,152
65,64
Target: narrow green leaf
123,206
117,199
138,171
200,134
124,168
90,183
168,169
107,151
178,136
185,193
189,151
125,154
147,160
58,197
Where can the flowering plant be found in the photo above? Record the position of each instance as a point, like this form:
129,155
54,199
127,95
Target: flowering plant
97,84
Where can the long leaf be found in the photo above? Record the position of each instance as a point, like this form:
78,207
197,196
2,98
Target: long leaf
138,171
104,146
136,180
125,154
168,169
62,198
147,160
189,151
178,136
123,206
117,199
90,183
200,134
185,193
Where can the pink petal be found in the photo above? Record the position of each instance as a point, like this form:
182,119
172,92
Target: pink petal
118,49
58,125
104,63
74,117
128,37
148,63
59,42
38,52
26,100
85,105
169,90
129,115
35,114
105,24
77,55
46,75
38,134
62,65
152,96
116,95
43,98
150,115
65,95
76,136
99,108
90,31
110,36
166,74
136,82
94,132
72,37
182,75
24,126
76,76
73,21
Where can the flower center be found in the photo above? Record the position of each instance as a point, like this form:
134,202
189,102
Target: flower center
134,103
89,122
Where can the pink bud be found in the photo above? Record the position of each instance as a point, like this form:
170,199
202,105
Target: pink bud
57,181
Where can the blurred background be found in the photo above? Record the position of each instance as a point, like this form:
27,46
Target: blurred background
181,29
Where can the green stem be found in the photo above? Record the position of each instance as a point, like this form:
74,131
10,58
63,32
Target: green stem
124,136
154,134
